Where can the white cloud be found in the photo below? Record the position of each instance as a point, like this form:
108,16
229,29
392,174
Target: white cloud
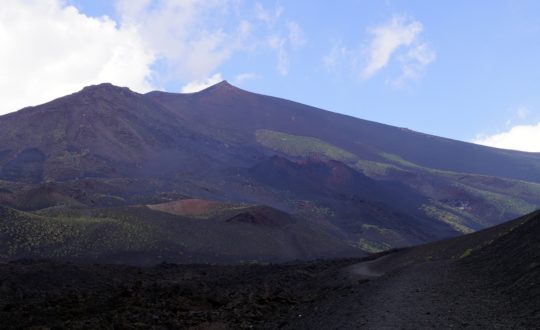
243,77
49,49
296,34
267,16
282,43
519,116
279,45
414,63
281,38
199,85
283,62
189,35
520,137
388,38
338,56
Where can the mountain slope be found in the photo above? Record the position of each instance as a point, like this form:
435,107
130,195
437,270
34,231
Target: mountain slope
485,280
471,186
368,185
225,107
143,236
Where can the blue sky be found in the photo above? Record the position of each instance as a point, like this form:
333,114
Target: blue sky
467,70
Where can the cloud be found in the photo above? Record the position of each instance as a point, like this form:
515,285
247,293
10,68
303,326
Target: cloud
519,116
296,34
267,16
49,49
414,63
189,36
281,43
520,137
386,39
282,37
199,85
400,32
338,56
243,77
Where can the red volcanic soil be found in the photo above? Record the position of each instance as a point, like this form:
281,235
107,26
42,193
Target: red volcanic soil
192,207
228,212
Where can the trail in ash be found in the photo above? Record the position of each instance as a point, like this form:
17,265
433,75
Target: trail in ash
428,295
366,269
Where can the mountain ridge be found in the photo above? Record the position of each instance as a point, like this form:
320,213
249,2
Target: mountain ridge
372,186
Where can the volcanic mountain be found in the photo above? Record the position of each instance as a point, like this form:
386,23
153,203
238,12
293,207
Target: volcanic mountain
228,175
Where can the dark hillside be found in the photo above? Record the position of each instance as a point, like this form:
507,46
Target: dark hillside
225,107
485,280
369,186
513,265
491,284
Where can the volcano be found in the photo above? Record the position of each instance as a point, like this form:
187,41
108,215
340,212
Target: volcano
87,176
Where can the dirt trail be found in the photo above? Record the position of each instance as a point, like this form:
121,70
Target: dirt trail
430,295
366,269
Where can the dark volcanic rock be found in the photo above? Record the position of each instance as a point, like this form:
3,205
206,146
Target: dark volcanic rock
491,284
262,216
26,166
348,184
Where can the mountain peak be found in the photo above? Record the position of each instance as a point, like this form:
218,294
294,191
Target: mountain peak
224,83
105,89
223,86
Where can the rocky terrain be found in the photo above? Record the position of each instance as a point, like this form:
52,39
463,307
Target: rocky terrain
225,209
485,280
226,175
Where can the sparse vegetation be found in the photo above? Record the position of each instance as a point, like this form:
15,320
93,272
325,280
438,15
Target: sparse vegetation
296,145
466,253
397,159
504,203
366,226
375,169
372,246
506,196
438,213
27,234
309,209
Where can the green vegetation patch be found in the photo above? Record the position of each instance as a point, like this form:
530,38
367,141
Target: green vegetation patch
375,169
440,214
379,230
506,195
522,189
503,203
372,246
28,234
296,145
466,253
397,159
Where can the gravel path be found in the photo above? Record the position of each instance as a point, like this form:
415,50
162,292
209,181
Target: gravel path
366,269
430,295
334,294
